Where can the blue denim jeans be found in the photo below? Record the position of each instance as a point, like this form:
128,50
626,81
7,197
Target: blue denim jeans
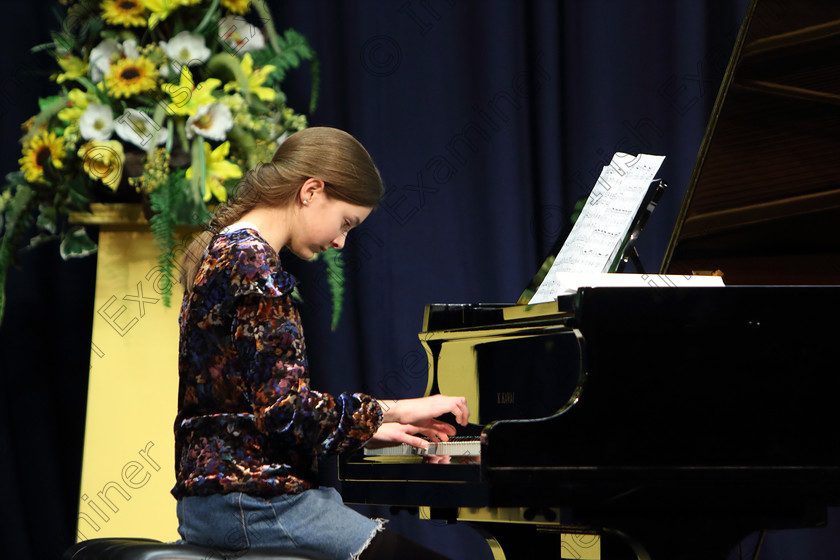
316,519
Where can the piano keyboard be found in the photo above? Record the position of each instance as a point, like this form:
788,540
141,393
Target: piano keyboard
461,446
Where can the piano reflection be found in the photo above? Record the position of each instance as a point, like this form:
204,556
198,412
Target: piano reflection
666,423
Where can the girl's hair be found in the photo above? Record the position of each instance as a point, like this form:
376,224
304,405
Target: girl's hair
328,154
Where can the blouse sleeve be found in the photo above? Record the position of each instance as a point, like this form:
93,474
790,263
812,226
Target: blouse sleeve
268,337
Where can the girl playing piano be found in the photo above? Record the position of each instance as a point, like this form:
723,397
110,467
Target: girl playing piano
249,428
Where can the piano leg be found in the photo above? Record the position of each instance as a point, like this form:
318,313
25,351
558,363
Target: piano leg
526,533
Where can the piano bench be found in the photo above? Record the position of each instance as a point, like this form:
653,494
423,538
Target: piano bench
148,549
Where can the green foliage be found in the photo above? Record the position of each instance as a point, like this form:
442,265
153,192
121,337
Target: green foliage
172,206
18,212
578,208
24,207
335,280
76,243
163,202
293,50
44,103
35,211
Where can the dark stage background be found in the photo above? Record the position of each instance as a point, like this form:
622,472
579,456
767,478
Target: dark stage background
488,121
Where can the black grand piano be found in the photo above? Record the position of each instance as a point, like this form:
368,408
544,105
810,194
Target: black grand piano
665,422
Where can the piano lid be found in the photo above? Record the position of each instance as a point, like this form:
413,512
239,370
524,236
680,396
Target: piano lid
763,201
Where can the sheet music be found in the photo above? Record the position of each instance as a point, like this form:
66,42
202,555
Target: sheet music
604,222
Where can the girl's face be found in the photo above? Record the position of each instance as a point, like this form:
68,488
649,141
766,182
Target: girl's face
324,222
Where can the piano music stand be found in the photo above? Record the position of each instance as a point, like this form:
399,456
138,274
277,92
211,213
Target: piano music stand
627,252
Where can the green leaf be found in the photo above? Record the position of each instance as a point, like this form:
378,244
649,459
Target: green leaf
44,103
62,44
40,239
15,178
210,15
577,209
264,14
78,193
197,184
76,243
43,46
158,118
92,89
47,218
294,48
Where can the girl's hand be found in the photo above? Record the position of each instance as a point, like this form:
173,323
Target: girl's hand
423,411
393,433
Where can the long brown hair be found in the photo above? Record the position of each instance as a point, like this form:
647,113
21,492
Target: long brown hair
329,154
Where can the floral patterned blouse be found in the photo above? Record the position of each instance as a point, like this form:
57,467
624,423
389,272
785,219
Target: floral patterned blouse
247,419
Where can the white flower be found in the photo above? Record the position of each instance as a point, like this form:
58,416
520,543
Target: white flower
97,122
100,58
282,137
101,55
129,48
186,48
139,129
210,121
240,35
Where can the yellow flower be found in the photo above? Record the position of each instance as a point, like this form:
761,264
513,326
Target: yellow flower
43,146
129,76
256,78
128,13
104,160
237,6
160,9
217,169
77,102
73,66
188,96
155,172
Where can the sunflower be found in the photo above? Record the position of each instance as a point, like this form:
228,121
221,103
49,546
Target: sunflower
237,6
128,13
42,147
129,76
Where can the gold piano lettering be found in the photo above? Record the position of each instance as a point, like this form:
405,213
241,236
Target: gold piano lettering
505,397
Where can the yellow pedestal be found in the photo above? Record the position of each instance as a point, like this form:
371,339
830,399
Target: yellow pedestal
128,463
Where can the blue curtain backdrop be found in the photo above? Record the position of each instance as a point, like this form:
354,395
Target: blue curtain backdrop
488,120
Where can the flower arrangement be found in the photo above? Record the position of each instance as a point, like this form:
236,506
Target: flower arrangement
167,102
